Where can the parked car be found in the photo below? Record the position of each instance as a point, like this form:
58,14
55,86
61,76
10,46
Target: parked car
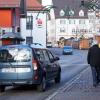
67,50
28,65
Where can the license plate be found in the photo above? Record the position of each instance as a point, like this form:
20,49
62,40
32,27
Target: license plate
9,70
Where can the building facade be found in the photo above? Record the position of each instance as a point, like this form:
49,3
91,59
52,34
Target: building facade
34,26
72,20
27,17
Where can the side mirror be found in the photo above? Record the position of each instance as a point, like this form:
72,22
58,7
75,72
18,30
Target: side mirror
56,58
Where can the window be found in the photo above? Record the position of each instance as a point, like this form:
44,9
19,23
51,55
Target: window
15,54
91,21
46,57
81,13
71,21
39,54
29,22
82,21
62,29
29,40
50,55
62,21
73,30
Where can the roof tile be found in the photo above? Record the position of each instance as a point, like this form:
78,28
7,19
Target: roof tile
33,4
9,3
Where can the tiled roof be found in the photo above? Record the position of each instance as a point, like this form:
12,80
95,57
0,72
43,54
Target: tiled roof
30,4
72,4
33,5
9,3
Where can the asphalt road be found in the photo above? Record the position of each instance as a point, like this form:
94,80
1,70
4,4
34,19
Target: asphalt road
71,66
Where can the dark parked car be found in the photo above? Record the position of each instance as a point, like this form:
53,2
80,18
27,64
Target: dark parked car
28,65
67,50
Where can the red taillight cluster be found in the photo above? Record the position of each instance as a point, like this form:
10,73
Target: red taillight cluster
35,66
34,62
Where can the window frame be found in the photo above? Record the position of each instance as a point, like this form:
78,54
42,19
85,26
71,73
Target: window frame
29,22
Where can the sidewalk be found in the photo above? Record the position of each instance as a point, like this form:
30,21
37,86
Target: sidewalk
81,89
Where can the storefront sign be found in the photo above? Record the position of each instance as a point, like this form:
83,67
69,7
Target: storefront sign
39,23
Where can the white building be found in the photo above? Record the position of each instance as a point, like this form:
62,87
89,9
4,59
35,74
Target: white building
78,24
51,28
34,26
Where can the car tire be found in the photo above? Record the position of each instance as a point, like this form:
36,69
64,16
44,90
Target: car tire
2,88
42,86
58,78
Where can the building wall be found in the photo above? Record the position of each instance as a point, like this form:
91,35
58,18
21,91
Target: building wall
5,18
50,22
9,20
73,27
39,31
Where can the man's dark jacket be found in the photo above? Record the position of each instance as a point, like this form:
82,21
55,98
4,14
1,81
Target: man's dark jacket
93,56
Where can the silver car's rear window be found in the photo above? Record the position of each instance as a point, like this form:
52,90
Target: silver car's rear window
15,54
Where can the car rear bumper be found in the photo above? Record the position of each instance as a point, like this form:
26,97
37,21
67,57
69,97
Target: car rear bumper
19,82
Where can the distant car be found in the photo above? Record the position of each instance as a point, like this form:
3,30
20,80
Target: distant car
67,50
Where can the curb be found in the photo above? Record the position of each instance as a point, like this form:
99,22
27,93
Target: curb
66,86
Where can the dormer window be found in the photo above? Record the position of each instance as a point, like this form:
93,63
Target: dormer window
62,13
81,13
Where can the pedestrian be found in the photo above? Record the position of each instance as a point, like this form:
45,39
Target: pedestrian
93,58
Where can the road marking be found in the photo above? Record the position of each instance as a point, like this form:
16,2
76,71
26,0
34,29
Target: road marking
68,65
66,86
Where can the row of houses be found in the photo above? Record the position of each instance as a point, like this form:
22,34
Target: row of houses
73,20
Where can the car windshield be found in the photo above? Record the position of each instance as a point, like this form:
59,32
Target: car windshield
15,55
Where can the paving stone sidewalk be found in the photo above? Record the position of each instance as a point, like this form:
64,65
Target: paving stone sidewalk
81,89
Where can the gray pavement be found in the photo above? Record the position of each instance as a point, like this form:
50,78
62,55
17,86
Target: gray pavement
80,89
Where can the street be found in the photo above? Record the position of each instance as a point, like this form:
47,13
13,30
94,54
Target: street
71,65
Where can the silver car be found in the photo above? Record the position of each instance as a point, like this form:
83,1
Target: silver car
27,65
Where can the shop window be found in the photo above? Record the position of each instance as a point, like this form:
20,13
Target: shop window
29,22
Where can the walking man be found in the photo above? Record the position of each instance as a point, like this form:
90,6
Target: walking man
93,58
